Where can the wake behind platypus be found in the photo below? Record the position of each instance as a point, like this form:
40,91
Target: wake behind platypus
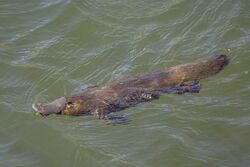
128,91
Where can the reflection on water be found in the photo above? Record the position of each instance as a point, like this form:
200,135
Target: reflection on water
54,48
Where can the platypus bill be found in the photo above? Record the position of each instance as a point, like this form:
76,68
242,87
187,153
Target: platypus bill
128,91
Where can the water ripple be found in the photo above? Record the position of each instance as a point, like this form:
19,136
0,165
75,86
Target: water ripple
16,8
54,48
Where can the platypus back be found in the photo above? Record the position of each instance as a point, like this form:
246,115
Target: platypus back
200,69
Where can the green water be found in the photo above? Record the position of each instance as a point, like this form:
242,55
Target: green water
52,48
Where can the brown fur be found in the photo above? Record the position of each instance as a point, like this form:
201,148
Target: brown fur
129,91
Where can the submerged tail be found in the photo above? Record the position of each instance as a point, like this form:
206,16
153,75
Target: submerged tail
199,69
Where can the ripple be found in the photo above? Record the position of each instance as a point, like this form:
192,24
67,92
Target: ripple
9,155
6,146
16,8
54,48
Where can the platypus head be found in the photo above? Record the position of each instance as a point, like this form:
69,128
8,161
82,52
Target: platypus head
55,107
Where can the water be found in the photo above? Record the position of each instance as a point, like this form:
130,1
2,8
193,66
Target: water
52,48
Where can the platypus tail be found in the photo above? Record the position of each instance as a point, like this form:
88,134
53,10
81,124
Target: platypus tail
199,69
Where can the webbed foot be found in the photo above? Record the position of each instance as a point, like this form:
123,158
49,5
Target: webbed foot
115,119
192,87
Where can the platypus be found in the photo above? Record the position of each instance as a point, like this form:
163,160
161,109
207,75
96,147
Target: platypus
128,91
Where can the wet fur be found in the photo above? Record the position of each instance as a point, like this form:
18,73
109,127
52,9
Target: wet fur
129,91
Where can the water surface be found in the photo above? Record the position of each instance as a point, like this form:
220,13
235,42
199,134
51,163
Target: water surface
51,48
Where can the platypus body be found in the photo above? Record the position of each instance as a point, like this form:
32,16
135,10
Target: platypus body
129,91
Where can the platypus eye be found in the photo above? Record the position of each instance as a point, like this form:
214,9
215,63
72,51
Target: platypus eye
69,103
